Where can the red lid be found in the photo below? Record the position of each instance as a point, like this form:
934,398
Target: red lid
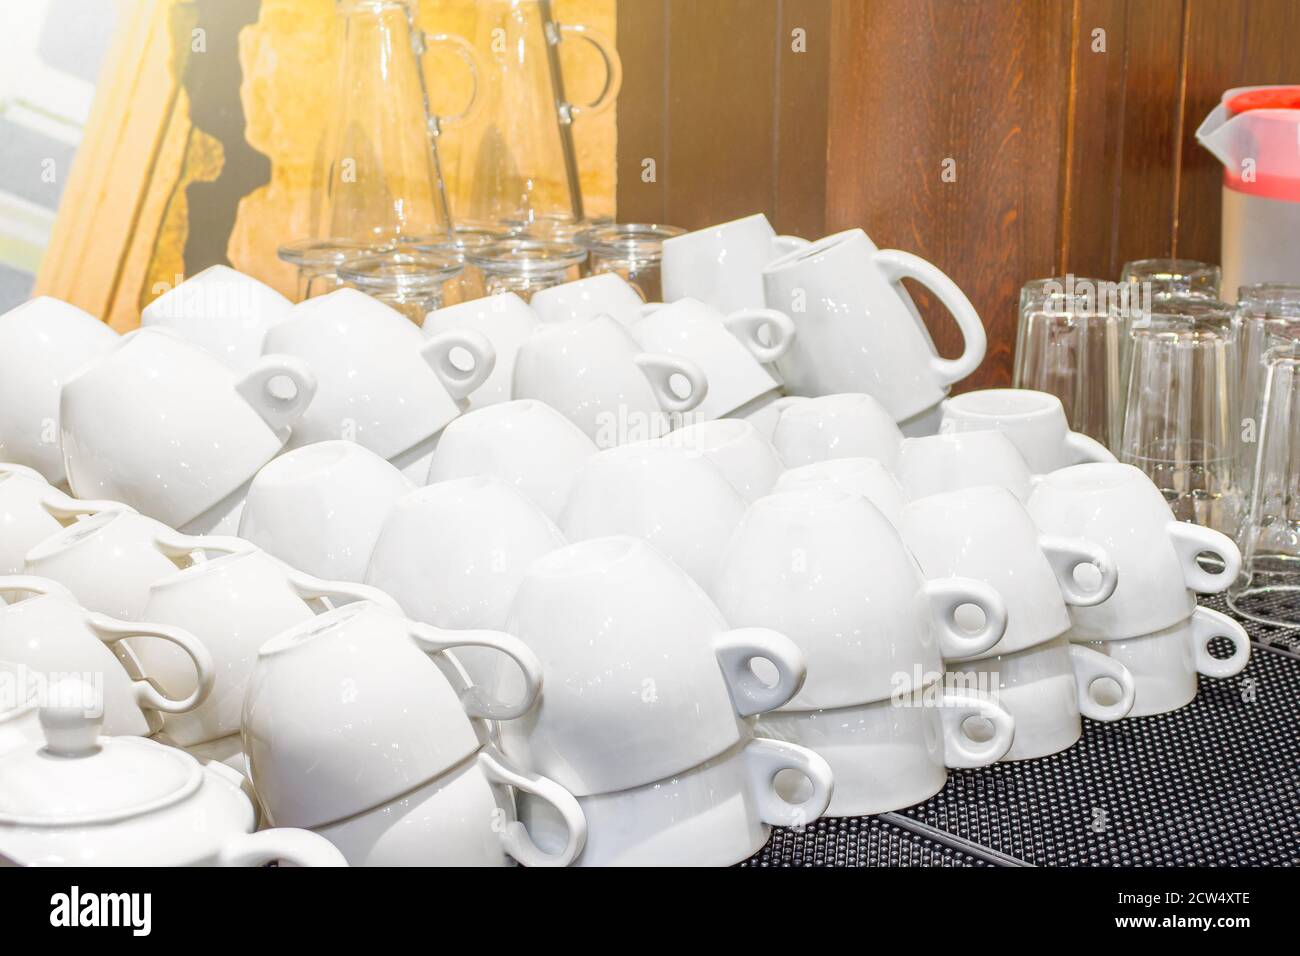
1269,98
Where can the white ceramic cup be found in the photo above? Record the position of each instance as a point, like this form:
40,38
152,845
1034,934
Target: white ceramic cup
110,560
383,384
593,372
717,813
723,264
1164,665
320,507
858,331
1045,688
825,568
643,676
1117,507
985,533
850,425
42,343
606,293
465,817
746,459
32,510
731,348
863,476
674,498
938,463
44,629
161,425
222,311
505,320
894,753
452,555
526,443
357,706
21,691
1034,421
234,604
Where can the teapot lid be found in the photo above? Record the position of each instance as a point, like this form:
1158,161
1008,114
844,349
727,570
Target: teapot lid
78,777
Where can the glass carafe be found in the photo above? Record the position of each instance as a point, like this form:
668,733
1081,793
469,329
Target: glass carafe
380,177
516,163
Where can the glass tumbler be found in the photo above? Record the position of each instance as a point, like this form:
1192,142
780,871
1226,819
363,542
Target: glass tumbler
1070,343
526,266
1268,317
1181,416
1170,278
634,250
1268,588
318,261
414,285
469,284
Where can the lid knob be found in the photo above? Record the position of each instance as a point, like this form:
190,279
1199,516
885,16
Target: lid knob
72,717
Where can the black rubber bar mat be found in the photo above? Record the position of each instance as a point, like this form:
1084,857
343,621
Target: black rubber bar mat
858,841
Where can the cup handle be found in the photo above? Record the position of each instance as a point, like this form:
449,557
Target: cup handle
475,701
277,412
473,62
659,369
608,55
1084,449
898,265
62,507
515,837
764,759
458,382
1208,624
175,544
745,325
13,468
1189,540
311,588
737,649
111,631
1067,554
31,584
784,244
945,595
958,749
282,845
1089,666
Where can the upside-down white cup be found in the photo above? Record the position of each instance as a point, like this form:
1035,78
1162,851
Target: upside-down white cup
825,568
32,510
937,463
222,311
1045,688
42,343
985,533
1164,665
746,459
850,425
863,476
716,813
1034,421
319,508
44,629
161,425
644,678
527,444
606,293
894,753
723,264
675,498
1119,508
593,372
505,320
858,331
733,349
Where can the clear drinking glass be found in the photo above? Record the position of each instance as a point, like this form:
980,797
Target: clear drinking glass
1268,317
1181,416
1167,278
1268,588
318,261
526,266
414,285
1070,343
634,250
470,283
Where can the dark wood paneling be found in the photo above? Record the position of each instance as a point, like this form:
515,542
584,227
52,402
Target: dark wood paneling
642,118
800,116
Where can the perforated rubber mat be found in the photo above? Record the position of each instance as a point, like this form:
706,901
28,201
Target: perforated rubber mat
1285,637
1216,783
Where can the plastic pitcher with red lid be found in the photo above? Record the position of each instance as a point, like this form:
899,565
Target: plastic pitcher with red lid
1255,133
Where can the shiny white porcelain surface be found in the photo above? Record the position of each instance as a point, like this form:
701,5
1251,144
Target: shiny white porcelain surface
606,293
723,264
938,463
32,511
1034,421
863,476
734,446
849,425
505,320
